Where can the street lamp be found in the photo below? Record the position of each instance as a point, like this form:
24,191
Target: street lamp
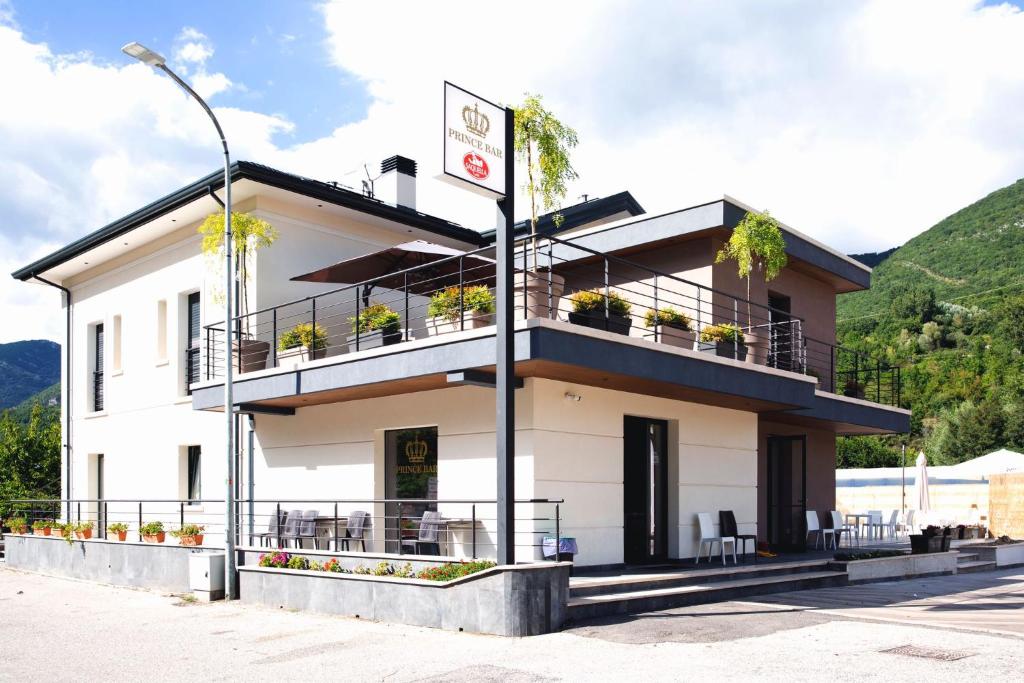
147,56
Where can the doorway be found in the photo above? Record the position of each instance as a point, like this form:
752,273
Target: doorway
787,492
782,339
410,472
644,490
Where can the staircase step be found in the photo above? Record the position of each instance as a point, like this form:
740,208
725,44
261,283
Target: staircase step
975,566
966,557
581,586
632,602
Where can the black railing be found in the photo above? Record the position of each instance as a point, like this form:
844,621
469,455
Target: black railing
97,390
843,371
193,368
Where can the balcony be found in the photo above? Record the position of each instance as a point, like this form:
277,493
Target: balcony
606,304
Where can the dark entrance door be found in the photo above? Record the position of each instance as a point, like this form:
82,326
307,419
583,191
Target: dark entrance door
644,490
410,471
781,353
787,492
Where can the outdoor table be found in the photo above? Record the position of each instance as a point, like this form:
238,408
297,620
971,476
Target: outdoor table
856,516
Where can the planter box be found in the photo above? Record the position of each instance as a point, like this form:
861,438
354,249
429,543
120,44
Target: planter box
155,538
619,324
193,541
673,336
921,544
902,567
373,340
520,600
252,353
473,320
299,354
724,349
1008,555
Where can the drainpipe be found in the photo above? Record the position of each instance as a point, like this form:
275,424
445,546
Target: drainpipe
68,374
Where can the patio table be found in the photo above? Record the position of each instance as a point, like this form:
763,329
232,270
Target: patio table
856,517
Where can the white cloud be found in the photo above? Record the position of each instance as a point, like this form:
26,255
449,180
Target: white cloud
858,123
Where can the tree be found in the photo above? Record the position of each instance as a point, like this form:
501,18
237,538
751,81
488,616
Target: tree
965,432
756,243
913,306
544,143
29,457
867,451
249,234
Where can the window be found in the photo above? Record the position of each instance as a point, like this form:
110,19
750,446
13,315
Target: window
192,342
194,483
97,369
161,331
117,344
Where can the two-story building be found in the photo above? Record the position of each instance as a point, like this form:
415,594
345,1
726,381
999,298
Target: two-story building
637,428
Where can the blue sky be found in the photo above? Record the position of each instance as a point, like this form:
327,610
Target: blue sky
276,53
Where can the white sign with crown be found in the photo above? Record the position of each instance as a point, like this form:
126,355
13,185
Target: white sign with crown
474,142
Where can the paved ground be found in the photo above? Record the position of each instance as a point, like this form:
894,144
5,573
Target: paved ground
57,630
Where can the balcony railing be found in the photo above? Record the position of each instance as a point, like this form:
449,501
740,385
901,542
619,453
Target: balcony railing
624,296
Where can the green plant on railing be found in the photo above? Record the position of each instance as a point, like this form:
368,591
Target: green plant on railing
151,528
454,570
303,335
40,524
187,530
17,525
445,303
117,528
593,301
667,317
724,333
376,317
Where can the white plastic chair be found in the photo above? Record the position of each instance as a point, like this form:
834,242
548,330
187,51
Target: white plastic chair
839,528
875,524
891,526
707,535
907,524
814,527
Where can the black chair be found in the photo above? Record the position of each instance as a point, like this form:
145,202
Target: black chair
427,543
355,529
727,526
276,522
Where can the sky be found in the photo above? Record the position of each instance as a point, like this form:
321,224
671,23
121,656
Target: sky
860,123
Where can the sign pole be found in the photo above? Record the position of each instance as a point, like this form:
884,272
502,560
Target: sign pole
505,414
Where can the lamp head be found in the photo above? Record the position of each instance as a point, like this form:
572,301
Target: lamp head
143,54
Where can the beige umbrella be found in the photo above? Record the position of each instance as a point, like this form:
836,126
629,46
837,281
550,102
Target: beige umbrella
921,483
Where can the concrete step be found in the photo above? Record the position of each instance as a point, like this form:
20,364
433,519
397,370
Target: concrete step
975,566
966,557
633,602
581,586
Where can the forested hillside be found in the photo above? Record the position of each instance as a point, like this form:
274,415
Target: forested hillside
26,368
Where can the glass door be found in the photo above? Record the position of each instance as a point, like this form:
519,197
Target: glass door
410,472
787,492
644,490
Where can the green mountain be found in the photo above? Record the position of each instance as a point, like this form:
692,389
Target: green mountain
962,258
26,368
48,398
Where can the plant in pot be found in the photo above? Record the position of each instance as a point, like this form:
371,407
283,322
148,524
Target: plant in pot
41,527
756,244
17,525
119,530
249,235
543,143
448,311
152,532
672,327
376,325
725,340
83,530
189,534
853,389
302,343
589,310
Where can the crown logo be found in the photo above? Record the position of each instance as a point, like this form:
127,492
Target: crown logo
416,450
476,123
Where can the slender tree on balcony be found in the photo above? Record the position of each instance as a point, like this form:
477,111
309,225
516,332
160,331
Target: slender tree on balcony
756,244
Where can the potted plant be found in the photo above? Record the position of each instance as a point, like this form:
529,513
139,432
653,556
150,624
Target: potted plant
671,327
376,325
725,340
588,310
152,532
853,389
756,243
543,143
41,527
932,539
452,309
119,529
189,534
301,343
249,234
17,525
83,530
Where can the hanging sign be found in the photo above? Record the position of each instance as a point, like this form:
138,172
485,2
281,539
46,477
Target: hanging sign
474,142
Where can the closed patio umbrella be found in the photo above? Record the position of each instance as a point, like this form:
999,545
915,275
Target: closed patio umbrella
921,483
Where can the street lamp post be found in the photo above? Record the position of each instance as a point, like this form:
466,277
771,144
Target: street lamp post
147,56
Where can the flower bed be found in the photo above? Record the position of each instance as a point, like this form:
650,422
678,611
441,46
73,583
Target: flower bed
448,571
866,555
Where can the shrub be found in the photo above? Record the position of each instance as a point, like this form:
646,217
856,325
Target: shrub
279,560
117,528
866,555
725,332
376,317
187,530
360,569
151,528
445,303
593,301
668,317
454,570
302,335
297,562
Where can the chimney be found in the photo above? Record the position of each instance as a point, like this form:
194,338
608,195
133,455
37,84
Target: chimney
397,182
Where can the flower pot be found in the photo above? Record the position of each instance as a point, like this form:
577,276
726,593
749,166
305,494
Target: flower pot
757,343
19,529
121,535
619,324
41,532
724,349
540,300
674,336
299,354
252,353
155,538
195,539
374,339
83,535
471,320
921,544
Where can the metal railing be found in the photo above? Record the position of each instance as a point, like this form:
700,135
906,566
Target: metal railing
847,372
97,390
626,297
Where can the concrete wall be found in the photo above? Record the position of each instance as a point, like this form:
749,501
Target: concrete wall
1006,504
902,567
